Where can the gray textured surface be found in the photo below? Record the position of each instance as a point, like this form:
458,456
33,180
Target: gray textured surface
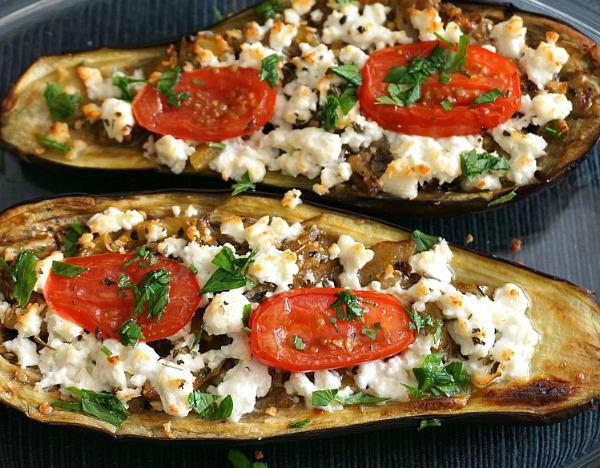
558,228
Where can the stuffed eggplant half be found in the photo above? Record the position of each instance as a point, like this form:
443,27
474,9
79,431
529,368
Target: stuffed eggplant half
200,316
421,107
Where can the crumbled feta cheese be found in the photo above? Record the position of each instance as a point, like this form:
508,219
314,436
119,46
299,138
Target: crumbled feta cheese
59,132
225,313
254,32
201,256
43,268
113,220
302,7
174,384
25,350
313,63
282,34
300,384
362,133
233,226
353,256
61,330
29,320
291,16
252,55
173,153
418,160
429,23
238,349
545,62
332,176
365,30
353,55
155,231
291,199
388,378
171,247
550,106
301,105
434,263
97,88
240,157
276,267
245,382
117,118
482,182
509,37
268,232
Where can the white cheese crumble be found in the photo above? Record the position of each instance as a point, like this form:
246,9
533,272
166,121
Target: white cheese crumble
117,118
113,220
97,88
509,37
300,384
429,23
240,157
545,62
233,226
434,263
43,267
291,199
225,313
276,267
268,232
353,256
173,152
252,55
282,34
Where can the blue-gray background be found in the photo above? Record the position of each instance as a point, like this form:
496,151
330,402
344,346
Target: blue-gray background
558,228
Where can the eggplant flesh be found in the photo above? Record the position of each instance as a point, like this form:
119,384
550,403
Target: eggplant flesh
565,369
24,114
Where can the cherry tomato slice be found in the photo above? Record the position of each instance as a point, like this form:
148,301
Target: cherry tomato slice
306,314
223,103
426,117
93,300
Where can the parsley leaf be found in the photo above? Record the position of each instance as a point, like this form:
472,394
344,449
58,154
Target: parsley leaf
553,132
101,405
207,406
447,105
420,322
503,199
66,269
130,333
123,83
23,277
371,332
474,163
299,424
350,72
144,257
423,241
429,423
435,379
246,316
52,144
298,343
106,351
60,104
243,185
231,273
166,84
268,9
347,306
268,69
489,97
323,398
71,237
217,144
153,289
218,15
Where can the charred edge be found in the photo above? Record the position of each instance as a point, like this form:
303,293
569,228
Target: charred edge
537,393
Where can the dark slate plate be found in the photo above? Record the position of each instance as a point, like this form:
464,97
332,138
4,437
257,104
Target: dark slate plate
558,228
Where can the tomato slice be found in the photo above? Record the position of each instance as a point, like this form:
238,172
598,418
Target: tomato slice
306,313
426,117
224,103
93,300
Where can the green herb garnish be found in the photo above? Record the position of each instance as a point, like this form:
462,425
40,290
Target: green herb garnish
166,84
207,406
101,405
153,290
553,132
231,273
423,241
420,322
350,72
298,343
325,397
72,237
123,83
429,423
246,317
52,144
23,277
217,144
489,97
61,105
218,15
144,258
347,306
243,185
66,269
299,424
474,164
106,351
435,379
503,199
268,69
130,333
447,105
268,9
371,332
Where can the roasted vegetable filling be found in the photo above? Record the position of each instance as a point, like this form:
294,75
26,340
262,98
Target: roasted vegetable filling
226,316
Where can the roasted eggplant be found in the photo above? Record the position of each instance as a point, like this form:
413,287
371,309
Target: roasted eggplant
25,115
564,377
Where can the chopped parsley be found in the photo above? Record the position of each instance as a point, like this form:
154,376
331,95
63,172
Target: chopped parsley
101,405
246,317
52,144
447,105
371,332
268,69
474,163
325,397
333,322
503,199
23,276
299,424
423,241
243,185
268,9
130,333
61,105
72,237
217,144
106,351
231,273
166,84
207,406
404,82
239,460
347,306
153,290
489,97
193,268
123,83
341,103
435,379
298,343
553,132
66,269
420,322
218,15
435,422
144,258
350,72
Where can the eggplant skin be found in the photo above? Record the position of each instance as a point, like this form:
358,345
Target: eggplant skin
565,368
24,114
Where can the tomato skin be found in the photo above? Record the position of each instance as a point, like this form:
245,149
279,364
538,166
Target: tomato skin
93,302
488,70
224,103
305,313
